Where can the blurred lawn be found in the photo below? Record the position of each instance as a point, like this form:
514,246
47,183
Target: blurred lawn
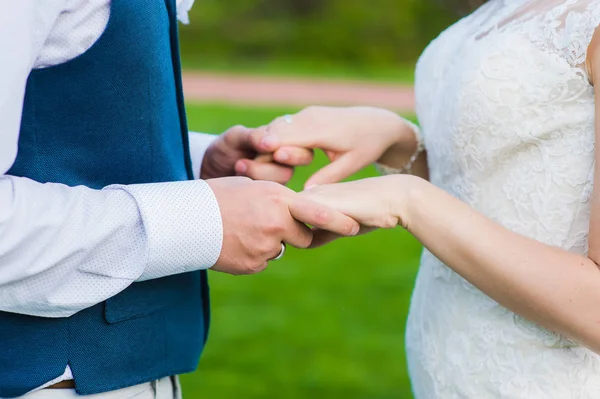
325,323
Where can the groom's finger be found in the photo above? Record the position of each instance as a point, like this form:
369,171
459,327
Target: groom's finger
294,156
280,134
238,137
257,170
290,156
297,234
322,217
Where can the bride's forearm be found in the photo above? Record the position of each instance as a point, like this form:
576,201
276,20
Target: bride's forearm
550,286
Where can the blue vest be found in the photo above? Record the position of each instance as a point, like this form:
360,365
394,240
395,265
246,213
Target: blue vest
114,115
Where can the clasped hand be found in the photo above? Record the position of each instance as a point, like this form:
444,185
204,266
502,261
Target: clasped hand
352,138
259,215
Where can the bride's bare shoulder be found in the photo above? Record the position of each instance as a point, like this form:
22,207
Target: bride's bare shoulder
592,59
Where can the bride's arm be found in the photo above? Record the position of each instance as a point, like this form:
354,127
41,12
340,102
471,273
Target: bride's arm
555,288
593,67
550,286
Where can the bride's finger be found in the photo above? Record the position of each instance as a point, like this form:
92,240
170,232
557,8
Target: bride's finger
264,158
336,171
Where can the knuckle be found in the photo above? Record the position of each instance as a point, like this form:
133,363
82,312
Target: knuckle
233,135
274,192
265,248
238,128
253,264
301,244
322,216
239,270
274,227
275,202
285,175
306,241
316,191
388,222
301,207
256,135
256,267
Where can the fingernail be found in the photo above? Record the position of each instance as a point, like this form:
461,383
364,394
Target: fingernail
282,156
269,141
309,186
355,230
241,167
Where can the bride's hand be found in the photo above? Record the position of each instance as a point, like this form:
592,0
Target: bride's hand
351,137
378,202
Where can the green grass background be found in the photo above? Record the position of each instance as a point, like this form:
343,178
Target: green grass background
324,323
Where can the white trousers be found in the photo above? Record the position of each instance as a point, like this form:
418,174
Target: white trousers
165,388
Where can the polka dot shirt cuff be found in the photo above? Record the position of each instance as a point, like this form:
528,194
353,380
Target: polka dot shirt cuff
183,226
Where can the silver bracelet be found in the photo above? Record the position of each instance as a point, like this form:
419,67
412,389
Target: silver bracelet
406,169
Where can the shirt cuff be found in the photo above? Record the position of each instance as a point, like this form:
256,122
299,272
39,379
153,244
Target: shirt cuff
183,9
183,226
199,143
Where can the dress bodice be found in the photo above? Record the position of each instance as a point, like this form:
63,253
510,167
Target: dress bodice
507,114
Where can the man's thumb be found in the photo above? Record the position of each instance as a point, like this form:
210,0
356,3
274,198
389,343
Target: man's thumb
238,137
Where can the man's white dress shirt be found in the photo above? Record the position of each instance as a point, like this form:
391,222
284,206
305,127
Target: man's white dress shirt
63,249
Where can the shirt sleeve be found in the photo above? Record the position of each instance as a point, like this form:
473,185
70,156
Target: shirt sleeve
63,249
199,143
183,9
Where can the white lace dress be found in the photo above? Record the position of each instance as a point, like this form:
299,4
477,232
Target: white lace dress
507,115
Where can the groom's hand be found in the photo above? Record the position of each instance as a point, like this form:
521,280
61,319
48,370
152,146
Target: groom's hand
233,153
259,216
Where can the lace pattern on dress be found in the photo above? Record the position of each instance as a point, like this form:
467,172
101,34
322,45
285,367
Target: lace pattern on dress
507,116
